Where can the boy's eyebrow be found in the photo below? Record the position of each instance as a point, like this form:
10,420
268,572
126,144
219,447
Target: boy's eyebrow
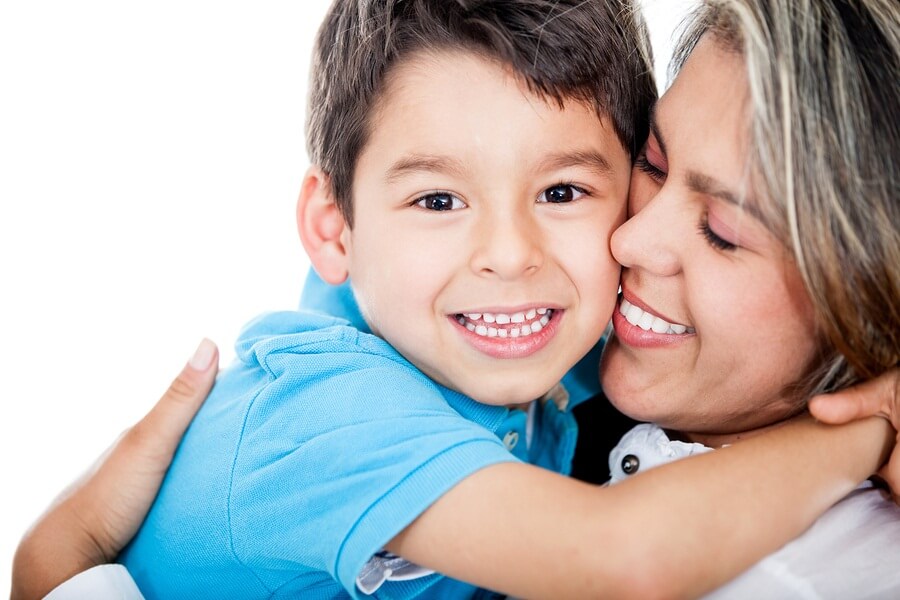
424,162
593,160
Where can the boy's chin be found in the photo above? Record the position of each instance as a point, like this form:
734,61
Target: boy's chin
511,396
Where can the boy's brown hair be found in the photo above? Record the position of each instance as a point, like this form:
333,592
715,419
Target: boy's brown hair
593,51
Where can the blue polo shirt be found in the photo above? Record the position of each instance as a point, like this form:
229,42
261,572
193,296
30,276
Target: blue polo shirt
315,449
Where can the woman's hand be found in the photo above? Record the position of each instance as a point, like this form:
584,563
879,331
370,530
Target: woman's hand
878,397
93,519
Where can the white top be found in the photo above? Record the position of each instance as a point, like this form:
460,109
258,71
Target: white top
110,582
852,551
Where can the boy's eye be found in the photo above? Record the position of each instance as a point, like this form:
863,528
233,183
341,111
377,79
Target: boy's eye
563,192
440,201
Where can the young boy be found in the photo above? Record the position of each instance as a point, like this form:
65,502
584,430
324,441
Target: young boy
470,165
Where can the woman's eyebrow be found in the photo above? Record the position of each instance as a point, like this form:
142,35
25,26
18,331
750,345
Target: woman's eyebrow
704,184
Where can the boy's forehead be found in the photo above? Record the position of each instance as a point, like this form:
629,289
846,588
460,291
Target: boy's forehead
424,66
433,91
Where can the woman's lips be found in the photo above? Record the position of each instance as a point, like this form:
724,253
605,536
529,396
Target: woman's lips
640,328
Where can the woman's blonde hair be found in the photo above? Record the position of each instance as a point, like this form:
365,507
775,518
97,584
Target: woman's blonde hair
824,80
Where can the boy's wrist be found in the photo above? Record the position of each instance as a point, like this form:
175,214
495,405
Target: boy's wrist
868,443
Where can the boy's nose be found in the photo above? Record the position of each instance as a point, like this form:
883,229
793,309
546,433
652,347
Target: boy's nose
507,248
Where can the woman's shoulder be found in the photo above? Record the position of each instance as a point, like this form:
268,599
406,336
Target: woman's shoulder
850,552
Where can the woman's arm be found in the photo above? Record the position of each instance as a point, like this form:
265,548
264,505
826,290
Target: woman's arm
674,531
91,521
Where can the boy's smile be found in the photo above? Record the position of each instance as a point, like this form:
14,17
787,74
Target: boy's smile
482,218
515,334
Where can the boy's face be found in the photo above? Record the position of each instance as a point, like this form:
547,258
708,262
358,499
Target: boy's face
482,219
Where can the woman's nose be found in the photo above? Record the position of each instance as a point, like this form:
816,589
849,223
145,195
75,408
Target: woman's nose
507,246
648,239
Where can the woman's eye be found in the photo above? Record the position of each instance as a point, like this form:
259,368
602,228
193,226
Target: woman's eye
563,192
440,201
649,168
714,239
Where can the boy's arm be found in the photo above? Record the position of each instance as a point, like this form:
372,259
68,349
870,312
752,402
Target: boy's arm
877,397
98,515
674,531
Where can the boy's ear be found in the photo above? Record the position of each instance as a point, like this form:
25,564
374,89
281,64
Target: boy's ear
321,226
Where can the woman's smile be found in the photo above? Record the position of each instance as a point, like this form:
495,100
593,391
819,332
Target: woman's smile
636,324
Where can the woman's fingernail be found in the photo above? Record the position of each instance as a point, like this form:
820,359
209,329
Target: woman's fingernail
203,355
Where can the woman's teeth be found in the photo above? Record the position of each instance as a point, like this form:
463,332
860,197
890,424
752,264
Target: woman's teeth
648,322
504,325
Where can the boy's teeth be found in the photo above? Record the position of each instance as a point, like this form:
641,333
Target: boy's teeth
532,321
649,322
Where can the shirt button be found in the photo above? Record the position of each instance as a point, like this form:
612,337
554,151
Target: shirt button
630,464
510,440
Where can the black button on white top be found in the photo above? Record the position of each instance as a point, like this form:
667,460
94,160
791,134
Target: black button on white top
630,464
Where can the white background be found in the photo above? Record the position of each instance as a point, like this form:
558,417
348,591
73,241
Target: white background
150,156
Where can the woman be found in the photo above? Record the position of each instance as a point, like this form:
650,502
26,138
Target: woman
776,241
659,289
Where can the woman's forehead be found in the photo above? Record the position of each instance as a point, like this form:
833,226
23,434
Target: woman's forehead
702,125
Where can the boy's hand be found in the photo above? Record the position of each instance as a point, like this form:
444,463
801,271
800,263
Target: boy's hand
93,519
878,397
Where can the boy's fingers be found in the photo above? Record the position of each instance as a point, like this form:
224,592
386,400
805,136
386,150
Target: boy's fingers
871,398
166,422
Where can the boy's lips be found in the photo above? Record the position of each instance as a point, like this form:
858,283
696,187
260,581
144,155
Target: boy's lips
513,334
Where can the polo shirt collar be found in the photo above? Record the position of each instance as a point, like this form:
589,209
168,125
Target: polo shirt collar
581,382
488,416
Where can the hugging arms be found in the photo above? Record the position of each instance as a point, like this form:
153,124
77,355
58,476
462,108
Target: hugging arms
91,521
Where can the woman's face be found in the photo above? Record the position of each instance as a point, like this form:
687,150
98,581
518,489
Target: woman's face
717,322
